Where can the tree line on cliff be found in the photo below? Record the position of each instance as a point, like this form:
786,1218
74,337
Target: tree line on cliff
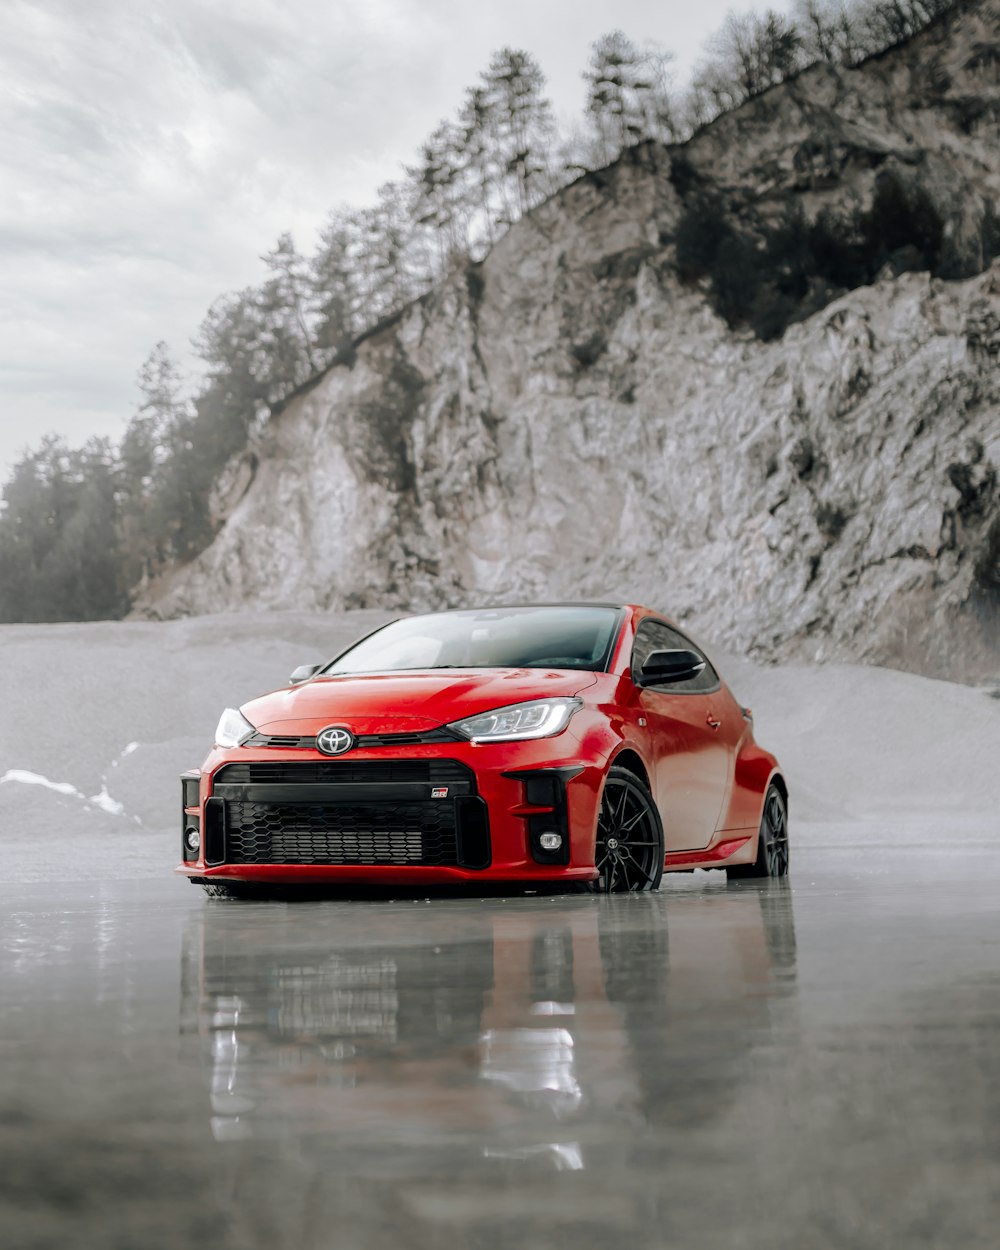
82,529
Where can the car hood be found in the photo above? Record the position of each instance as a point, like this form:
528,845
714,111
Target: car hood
405,702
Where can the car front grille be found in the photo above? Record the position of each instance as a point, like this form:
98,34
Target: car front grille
342,812
291,742
383,833
376,773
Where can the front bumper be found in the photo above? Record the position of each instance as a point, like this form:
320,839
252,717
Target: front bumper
300,817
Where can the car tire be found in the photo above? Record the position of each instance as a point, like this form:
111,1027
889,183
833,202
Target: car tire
628,852
772,841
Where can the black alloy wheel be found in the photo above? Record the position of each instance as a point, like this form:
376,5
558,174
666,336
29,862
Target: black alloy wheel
629,850
772,845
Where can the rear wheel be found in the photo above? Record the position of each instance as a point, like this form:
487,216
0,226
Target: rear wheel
772,844
629,850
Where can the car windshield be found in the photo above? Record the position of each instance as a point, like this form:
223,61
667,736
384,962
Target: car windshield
544,637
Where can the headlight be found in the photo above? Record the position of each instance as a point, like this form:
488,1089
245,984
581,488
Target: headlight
233,729
542,718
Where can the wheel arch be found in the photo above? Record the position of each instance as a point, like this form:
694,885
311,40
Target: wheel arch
778,781
631,771
633,762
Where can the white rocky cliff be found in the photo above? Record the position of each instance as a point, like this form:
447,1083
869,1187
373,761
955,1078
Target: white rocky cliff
570,419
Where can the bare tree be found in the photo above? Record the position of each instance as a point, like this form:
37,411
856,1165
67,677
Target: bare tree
887,22
660,117
749,54
847,31
817,23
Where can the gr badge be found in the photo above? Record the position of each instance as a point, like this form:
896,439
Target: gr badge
439,792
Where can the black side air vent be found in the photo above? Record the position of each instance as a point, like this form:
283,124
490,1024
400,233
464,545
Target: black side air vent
473,829
214,833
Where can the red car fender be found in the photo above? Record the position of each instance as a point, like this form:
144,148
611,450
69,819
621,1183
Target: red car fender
601,738
755,769
603,735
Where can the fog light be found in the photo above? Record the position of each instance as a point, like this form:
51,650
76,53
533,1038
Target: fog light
550,841
192,839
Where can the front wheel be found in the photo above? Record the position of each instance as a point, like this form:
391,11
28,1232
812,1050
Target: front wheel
629,850
772,844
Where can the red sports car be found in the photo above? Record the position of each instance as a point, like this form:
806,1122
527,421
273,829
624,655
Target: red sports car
557,743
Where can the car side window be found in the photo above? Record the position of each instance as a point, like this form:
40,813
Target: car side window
657,636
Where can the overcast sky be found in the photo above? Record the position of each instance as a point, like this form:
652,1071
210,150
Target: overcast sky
153,149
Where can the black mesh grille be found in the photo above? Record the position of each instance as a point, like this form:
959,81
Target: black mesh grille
352,812
314,833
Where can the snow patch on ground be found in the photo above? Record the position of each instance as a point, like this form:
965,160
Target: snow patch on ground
124,753
36,779
106,803
103,800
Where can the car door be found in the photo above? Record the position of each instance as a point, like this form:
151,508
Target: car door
692,759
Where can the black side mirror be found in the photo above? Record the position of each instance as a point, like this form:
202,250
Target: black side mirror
303,673
669,666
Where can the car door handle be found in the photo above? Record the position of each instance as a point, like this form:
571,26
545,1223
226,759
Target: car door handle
710,719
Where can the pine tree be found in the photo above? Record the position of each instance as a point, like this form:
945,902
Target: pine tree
285,302
335,298
616,86
523,130
145,448
59,545
478,128
236,340
396,278
656,100
440,204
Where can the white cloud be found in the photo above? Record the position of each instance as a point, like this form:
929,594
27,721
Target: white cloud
153,149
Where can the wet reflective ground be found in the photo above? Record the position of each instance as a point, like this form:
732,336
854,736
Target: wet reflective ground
719,1066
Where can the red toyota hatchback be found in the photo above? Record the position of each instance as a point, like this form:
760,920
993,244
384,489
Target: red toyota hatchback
543,744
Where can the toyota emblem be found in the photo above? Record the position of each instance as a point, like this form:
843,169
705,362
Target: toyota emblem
334,740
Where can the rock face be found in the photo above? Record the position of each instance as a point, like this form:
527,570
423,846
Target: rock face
568,419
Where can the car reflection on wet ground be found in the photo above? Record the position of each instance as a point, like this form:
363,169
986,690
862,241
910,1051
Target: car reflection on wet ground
520,1029
713,1065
